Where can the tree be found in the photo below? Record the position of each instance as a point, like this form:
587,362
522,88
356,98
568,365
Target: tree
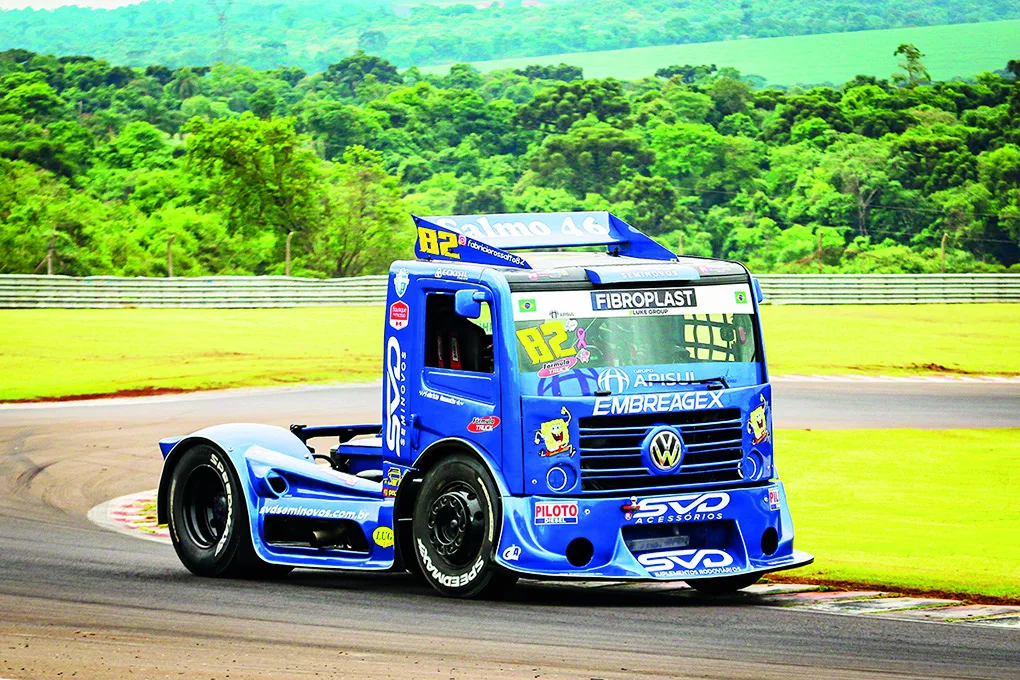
651,204
29,96
687,73
364,226
337,126
372,41
350,73
263,103
555,109
591,158
481,198
138,146
914,71
564,72
857,168
264,173
463,77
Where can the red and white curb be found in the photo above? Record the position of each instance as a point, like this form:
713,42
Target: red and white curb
957,379
135,515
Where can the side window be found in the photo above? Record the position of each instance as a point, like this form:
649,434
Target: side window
453,341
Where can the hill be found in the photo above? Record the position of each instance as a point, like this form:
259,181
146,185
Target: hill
951,51
104,169
311,34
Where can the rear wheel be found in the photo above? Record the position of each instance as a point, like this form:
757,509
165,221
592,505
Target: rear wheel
724,585
457,518
208,519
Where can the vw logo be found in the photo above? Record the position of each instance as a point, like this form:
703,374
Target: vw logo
613,380
666,450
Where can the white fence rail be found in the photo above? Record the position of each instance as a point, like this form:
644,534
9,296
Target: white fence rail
824,289
22,291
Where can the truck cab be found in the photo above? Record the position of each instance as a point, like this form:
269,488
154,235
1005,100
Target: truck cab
562,396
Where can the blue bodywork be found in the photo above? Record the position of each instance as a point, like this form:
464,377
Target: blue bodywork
549,440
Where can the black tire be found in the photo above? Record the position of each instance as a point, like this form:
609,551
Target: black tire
456,524
724,585
208,519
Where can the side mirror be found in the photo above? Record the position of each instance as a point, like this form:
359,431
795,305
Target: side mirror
758,294
468,303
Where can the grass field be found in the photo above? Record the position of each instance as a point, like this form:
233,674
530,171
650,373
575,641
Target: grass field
892,339
65,352
955,50
927,510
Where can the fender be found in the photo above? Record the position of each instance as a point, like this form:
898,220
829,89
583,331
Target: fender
426,457
234,440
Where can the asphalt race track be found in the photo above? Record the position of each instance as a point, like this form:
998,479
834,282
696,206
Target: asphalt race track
80,601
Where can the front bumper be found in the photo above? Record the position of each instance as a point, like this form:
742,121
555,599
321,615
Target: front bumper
667,537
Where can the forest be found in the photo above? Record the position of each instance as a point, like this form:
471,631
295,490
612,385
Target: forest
266,34
108,166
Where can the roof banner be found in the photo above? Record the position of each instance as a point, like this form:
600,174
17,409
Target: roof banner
554,230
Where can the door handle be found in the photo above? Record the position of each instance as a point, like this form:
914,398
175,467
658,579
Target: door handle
415,427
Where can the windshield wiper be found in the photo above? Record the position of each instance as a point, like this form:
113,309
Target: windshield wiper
700,381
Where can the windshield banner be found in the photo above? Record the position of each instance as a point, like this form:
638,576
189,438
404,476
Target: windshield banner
719,299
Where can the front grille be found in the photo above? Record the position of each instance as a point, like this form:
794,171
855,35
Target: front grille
610,451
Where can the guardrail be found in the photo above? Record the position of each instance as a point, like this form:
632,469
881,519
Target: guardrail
27,291
835,289
92,292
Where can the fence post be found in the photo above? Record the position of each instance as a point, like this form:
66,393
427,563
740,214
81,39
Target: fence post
290,235
49,254
170,256
944,234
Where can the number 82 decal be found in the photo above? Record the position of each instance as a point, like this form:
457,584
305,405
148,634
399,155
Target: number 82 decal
438,243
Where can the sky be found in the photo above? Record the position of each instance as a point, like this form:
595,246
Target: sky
53,4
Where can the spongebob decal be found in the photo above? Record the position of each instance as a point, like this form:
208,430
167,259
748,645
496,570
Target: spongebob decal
554,436
758,423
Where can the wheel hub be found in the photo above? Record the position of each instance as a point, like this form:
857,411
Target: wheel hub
456,525
205,506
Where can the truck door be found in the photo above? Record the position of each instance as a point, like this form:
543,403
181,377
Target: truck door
459,392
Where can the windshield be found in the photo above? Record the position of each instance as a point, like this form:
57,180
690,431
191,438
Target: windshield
667,335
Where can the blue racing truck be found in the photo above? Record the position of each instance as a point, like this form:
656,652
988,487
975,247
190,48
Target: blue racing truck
602,413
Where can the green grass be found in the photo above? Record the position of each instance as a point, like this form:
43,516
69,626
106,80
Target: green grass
61,352
927,510
892,339
48,353
954,50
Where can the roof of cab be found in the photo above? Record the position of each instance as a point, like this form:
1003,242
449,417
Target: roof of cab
489,239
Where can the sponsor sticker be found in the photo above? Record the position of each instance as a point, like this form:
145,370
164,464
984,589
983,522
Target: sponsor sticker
613,380
556,512
512,553
556,367
483,424
399,315
395,395
689,562
400,280
383,537
758,423
773,498
277,509
670,509
447,273
394,474
657,403
554,436
644,298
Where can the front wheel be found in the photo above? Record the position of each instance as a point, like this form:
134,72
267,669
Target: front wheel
208,519
457,518
724,585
